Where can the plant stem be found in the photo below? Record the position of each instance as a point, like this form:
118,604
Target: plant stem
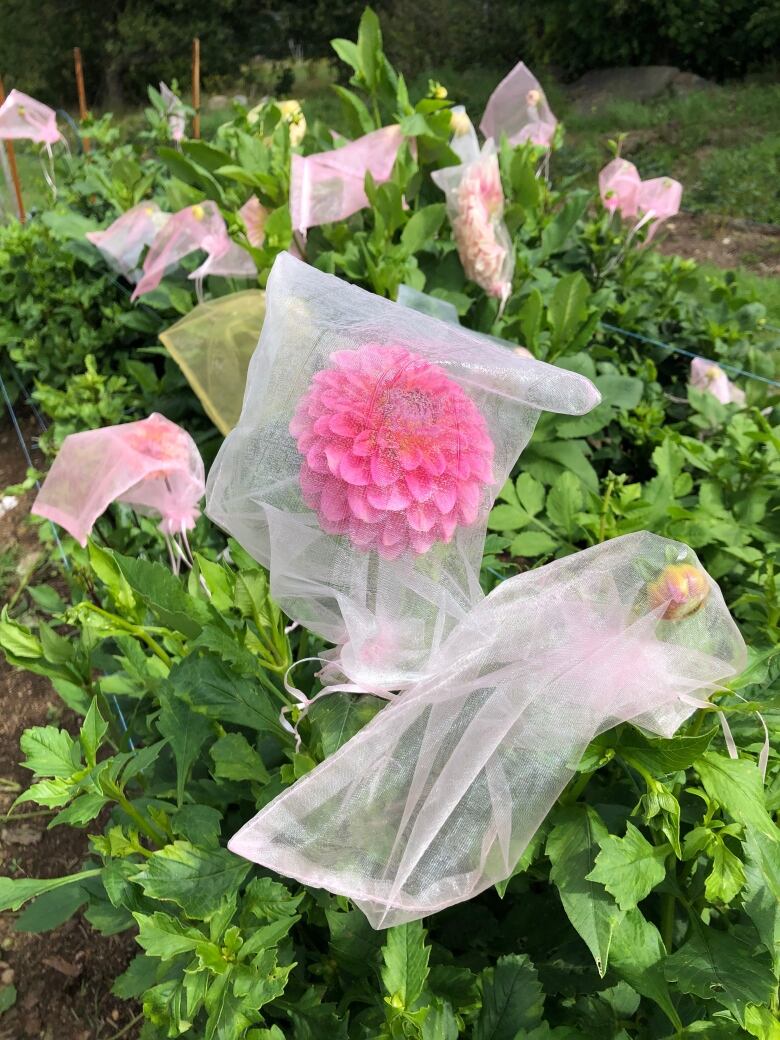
134,630
143,825
667,920
578,787
126,1029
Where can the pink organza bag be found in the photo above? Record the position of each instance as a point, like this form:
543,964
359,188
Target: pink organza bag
330,185
123,242
372,442
438,796
659,199
177,120
152,465
518,108
475,205
710,377
195,227
23,117
619,185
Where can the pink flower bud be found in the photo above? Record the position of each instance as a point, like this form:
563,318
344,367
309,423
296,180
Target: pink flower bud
682,587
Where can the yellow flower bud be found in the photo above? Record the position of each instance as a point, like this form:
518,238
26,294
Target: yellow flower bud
198,212
533,97
460,123
683,587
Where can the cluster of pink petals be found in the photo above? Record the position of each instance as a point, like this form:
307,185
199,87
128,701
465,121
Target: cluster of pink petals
709,377
482,241
623,191
152,465
395,454
23,117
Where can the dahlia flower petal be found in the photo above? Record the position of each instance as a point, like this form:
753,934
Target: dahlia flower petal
355,470
394,452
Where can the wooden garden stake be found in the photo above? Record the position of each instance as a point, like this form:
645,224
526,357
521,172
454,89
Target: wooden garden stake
9,150
196,87
81,92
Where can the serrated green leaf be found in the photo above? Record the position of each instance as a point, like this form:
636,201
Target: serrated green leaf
564,501
14,892
235,759
405,957
186,732
337,718
139,976
218,693
533,543
572,847
727,877
422,227
93,730
761,898
50,751
195,879
637,955
720,966
629,867
161,935
512,999
270,900
736,785
164,595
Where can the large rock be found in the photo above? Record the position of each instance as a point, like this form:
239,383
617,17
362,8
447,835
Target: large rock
216,102
639,83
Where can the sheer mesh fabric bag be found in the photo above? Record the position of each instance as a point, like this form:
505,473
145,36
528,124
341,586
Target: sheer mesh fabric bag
372,442
437,797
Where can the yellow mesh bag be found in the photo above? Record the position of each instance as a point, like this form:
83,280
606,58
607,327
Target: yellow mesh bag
212,345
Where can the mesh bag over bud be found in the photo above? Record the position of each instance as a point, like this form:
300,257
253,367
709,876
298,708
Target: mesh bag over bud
619,184
437,797
659,198
195,227
123,242
330,186
177,120
212,346
475,205
152,465
518,108
21,116
372,442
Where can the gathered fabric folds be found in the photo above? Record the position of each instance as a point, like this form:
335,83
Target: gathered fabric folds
437,797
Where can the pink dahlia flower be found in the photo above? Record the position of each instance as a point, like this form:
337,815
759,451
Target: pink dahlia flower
482,241
395,453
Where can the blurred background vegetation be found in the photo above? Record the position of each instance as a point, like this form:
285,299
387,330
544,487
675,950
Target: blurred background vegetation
129,43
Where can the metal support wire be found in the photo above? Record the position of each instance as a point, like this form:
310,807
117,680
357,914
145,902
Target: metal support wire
29,461
687,353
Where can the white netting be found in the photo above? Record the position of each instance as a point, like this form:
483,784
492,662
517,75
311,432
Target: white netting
371,514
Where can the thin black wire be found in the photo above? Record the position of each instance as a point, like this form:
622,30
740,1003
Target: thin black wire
688,353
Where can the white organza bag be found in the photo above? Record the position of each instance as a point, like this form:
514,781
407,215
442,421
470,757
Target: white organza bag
437,797
371,445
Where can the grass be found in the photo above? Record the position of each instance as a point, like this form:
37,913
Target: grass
722,143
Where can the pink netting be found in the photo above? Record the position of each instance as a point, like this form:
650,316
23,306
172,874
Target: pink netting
177,120
195,227
619,184
519,109
372,442
152,465
658,200
329,186
23,117
710,377
123,242
475,204
436,798
254,215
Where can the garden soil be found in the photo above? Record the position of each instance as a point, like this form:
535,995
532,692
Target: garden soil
63,978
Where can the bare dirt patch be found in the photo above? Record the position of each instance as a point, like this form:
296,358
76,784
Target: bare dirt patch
63,978
708,238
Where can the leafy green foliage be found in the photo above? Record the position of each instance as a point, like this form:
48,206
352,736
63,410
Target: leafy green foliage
647,903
